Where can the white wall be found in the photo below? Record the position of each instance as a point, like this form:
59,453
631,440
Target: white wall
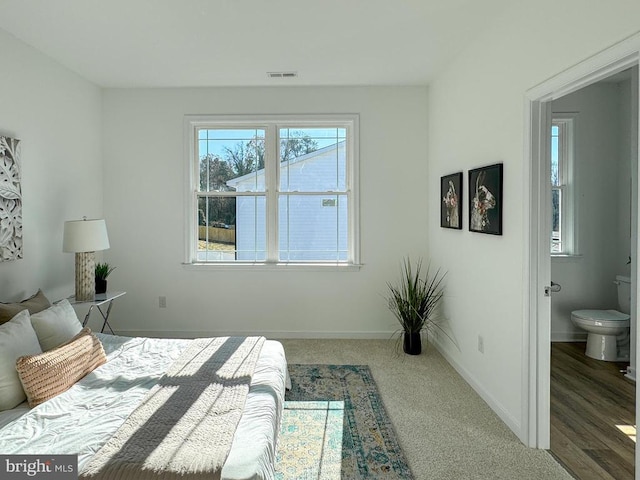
476,117
603,187
144,192
57,116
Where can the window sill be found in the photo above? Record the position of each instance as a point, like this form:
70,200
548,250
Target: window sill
298,267
565,257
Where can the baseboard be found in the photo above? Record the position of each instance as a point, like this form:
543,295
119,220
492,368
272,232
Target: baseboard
496,406
631,374
268,334
568,337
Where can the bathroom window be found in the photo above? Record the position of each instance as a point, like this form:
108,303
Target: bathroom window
562,205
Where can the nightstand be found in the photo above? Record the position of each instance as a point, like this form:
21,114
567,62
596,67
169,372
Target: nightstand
101,301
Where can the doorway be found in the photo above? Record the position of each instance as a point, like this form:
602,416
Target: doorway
537,333
592,404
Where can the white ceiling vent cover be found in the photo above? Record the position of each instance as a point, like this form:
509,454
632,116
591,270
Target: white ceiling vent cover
282,74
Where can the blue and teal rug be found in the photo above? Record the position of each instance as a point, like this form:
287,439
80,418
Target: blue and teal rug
335,427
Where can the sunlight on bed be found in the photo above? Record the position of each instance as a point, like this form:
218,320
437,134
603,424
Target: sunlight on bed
628,430
310,442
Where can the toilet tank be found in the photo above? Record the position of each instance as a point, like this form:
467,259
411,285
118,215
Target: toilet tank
624,293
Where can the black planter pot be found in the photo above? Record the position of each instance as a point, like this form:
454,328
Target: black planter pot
101,285
412,343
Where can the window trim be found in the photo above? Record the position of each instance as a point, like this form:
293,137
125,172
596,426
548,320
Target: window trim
566,123
271,123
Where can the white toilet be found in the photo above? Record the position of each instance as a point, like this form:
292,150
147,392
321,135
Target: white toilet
608,330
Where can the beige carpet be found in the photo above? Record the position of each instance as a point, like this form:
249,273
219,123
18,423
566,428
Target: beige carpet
445,429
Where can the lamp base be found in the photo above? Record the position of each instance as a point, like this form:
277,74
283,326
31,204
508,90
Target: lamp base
85,276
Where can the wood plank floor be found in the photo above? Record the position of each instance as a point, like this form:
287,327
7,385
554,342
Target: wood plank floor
588,399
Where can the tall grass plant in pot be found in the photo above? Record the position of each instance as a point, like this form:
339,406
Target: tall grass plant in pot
414,300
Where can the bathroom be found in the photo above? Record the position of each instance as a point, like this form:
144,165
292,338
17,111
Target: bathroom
598,247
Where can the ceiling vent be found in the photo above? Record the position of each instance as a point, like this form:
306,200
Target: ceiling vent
282,74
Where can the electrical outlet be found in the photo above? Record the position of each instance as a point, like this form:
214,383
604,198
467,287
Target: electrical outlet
480,344
162,302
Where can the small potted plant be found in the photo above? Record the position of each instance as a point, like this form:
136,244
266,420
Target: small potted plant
103,270
413,300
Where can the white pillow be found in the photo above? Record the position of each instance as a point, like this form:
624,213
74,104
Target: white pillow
17,338
56,325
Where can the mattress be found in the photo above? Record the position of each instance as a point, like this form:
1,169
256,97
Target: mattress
82,419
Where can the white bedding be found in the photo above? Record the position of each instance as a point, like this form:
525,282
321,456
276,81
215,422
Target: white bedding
83,418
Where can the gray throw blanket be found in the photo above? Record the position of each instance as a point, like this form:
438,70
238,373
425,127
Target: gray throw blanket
184,427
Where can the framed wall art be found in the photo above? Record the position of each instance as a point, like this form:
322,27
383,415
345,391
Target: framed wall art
485,199
451,201
10,200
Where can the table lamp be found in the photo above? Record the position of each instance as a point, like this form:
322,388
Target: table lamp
85,237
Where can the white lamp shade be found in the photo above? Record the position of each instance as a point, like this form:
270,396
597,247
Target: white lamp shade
85,236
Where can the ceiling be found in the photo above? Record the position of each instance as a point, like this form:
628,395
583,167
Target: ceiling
194,43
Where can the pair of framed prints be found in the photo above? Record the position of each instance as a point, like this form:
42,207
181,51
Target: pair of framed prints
485,200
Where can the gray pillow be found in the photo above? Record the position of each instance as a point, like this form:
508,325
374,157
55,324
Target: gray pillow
35,303
56,325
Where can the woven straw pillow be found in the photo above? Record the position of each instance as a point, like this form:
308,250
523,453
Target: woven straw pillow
49,374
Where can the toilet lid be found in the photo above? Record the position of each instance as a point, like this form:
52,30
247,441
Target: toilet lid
601,315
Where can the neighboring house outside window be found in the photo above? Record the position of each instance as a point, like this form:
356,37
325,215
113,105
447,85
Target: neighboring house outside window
563,239
273,190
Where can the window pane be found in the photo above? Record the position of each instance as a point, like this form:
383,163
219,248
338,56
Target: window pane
216,229
313,227
555,165
312,160
251,236
556,220
231,228
231,160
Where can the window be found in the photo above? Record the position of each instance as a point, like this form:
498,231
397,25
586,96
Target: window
562,206
272,190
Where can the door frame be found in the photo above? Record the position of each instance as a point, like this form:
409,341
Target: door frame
536,335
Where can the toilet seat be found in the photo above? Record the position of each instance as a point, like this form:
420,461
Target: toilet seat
605,318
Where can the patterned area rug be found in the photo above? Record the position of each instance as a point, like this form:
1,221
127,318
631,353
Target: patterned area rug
335,427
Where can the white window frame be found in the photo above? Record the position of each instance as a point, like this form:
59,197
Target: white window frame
567,188
271,124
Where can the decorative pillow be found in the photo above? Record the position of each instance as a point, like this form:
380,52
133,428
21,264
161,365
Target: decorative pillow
56,325
34,304
16,338
49,374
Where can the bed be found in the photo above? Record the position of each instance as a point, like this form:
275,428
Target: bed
87,416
